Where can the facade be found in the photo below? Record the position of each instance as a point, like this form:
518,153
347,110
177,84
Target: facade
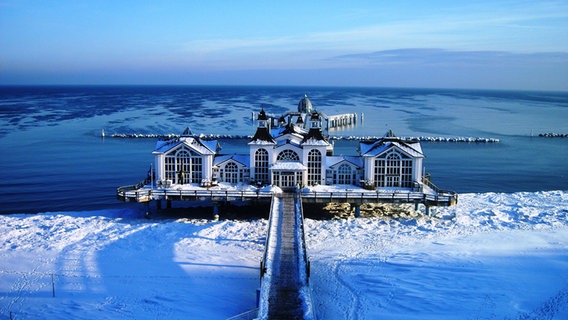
294,154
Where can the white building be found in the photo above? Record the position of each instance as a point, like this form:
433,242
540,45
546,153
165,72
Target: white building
296,154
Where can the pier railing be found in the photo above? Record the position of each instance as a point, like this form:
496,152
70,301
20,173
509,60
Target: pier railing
435,197
390,196
266,242
132,193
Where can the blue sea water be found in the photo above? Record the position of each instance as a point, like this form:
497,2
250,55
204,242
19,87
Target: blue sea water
54,159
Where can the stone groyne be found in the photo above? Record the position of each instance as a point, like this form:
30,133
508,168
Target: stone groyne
356,138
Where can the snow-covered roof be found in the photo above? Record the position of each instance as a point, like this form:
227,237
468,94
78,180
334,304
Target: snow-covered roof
292,142
315,142
331,161
291,128
196,144
378,147
288,165
240,158
212,145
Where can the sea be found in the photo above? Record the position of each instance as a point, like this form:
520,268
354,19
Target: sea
54,158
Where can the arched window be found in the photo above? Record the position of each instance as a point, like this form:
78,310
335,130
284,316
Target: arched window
393,170
344,174
288,155
231,174
261,166
184,166
314,167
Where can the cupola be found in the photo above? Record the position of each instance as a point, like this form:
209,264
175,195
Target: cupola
315,121
262,119
305,105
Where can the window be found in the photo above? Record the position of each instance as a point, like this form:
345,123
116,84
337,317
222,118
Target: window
184,166
314,167
344,174
288,155
393,170
231,173
261,166
380,172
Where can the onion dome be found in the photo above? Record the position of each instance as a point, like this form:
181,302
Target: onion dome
305,105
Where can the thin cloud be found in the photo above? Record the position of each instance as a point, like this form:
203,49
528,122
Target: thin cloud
436,56
464,27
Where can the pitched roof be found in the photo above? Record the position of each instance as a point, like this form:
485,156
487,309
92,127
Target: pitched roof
334,160
314,134
292,128
240,158
212,145
201,147
380,146
389,140
262,135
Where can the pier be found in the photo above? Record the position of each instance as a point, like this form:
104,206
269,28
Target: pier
427,195
285,292
340,120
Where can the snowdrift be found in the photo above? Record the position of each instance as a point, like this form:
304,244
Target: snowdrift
492,256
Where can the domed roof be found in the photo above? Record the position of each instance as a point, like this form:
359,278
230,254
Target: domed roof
305,105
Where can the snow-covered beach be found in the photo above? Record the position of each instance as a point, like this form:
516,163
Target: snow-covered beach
493,256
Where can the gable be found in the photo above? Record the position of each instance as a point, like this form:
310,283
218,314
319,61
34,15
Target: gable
333,162
408,152
190,143
378,149
240,160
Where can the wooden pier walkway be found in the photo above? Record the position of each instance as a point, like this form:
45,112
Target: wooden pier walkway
284,288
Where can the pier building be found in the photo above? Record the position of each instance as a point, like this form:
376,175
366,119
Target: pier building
293,154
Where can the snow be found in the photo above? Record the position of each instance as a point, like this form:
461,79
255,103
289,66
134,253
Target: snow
288,166
492,256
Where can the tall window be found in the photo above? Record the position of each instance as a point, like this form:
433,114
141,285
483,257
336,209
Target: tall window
406,173
231,173
345,174
184,166
314,167
261,165
393,170
288,155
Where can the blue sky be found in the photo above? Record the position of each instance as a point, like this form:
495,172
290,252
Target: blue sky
452,44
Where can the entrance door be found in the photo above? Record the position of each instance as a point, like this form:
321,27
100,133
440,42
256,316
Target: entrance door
288,180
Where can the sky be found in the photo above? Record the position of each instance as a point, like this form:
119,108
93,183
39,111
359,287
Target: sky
493,44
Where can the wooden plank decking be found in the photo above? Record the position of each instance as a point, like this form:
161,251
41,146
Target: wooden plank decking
284,300
284,272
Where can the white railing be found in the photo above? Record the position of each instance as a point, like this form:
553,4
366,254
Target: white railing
382,195
132,193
